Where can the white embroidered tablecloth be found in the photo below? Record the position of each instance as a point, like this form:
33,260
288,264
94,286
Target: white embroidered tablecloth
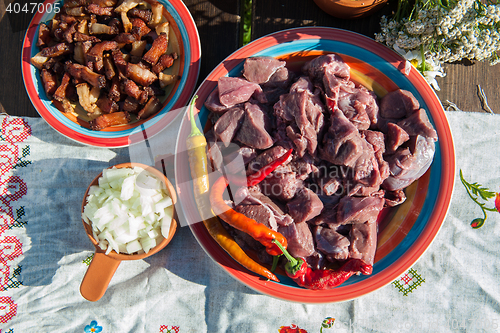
44,254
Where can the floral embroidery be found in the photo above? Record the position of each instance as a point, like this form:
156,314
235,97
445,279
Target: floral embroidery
15,129
12,188
291,329
4,275
6,214
328,322
479,193
408,282
10,247
9,155
8,309
93,327
172,329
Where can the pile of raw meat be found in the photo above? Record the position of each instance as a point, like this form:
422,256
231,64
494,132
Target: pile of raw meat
353,154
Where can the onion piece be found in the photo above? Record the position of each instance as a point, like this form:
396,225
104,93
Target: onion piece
130,210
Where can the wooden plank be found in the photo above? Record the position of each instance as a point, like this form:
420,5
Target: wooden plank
218,25
459,86
13,97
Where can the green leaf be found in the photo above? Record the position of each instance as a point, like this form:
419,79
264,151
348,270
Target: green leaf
477,189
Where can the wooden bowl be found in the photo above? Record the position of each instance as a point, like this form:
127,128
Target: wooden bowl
349,9
103,266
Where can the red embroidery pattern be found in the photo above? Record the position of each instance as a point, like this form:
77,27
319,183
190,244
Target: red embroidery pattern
12,188
8,157
291,329
4,275
15,129
172,329
8,309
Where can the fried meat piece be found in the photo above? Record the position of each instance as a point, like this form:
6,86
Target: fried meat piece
125,38
132,89
101,11
49,82
159,47
84,73
152,106
95,54
107,105
109,119
60,93
57,50
81,37
165,61
139,28
143,14
140,74
43,35
114,92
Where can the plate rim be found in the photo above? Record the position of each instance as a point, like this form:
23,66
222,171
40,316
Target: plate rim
429,232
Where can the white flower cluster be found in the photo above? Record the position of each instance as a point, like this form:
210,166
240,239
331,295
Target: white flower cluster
444,31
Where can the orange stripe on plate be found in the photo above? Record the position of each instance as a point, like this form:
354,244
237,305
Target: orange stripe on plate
397,232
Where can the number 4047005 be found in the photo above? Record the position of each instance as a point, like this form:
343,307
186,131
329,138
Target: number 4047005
33,7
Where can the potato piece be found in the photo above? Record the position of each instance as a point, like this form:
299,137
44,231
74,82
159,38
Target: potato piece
99,28
38,60
76,11
79,53
138,48
87,98
83,27
163,28
127,5
166,79
157,9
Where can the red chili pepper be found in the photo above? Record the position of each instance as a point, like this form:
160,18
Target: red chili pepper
258,176
321,279
239,221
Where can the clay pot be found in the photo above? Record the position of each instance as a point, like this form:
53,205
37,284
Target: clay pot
103,266
349,9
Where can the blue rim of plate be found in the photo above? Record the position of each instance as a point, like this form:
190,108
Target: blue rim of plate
188,36
432,194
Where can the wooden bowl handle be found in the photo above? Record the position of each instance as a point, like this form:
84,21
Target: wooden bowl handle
99,274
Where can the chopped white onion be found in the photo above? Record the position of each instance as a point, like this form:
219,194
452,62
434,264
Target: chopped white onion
130,211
